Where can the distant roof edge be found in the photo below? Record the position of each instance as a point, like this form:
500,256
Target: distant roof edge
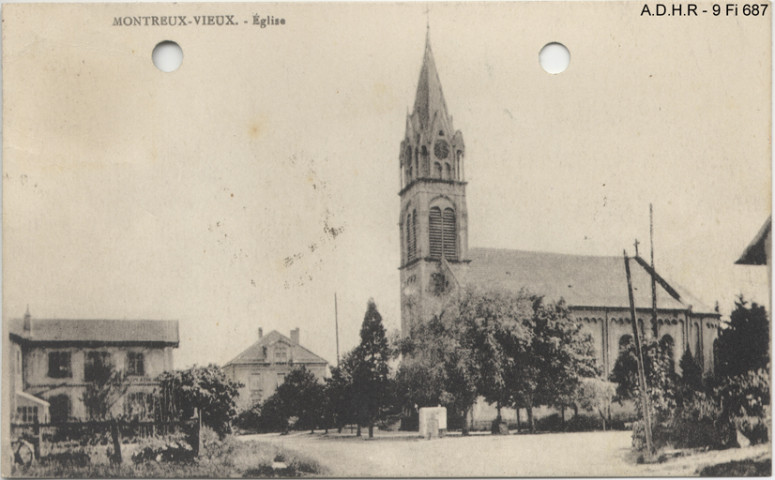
255,353
581,280
96,331
756,251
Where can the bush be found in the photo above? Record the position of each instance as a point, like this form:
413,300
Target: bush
249,419
172,448
78,458
584,423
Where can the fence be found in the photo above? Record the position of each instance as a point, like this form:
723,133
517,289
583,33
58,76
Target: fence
43,437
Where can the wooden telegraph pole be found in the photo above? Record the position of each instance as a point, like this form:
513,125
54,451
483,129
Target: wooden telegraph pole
336,322
643,387
654,324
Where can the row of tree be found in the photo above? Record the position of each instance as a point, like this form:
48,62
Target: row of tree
513,349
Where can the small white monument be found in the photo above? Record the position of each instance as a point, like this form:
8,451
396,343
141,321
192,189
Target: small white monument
433,422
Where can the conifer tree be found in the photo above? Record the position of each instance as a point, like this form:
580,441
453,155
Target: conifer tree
370,373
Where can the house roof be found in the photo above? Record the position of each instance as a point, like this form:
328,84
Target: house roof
255,353
581,280
756,251
96,331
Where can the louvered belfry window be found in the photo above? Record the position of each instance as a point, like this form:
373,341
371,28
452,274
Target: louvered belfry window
448,234
442,233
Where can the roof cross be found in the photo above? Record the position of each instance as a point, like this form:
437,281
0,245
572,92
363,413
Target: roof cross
637,242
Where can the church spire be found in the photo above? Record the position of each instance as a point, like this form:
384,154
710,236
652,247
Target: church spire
429,100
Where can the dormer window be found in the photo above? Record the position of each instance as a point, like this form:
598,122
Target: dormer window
280,353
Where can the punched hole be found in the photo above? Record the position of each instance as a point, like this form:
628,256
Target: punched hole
167,56
554,57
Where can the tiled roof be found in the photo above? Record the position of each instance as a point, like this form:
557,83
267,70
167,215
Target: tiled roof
429,100
583,281
756,251
97,331
255,352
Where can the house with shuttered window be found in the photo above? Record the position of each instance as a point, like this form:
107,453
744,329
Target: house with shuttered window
54,360
262,367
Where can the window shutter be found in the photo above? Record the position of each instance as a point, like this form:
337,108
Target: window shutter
435,225
448,234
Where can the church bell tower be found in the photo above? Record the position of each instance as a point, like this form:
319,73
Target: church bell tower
433,218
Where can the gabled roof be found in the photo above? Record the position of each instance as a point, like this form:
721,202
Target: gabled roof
756,251
79,331
254,354
583,281
429,101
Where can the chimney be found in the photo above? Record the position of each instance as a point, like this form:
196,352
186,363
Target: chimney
260,333
27,320
295,335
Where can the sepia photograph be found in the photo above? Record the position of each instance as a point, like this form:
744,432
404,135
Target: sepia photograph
423,239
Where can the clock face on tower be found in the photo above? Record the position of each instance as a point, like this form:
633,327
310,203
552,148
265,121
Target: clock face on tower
441,149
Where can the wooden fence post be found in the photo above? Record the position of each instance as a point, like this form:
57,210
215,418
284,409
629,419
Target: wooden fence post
38,437
198,434
114,432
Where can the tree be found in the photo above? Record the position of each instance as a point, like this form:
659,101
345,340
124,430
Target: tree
106,388
206,389
691,372
339,391
744,344
437,367
596,394
300,396
493,330
563,352
370,373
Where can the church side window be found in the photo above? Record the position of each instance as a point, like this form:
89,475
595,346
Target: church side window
624,342
442,233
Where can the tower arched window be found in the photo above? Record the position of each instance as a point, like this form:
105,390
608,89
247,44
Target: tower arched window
425,165
413,246
403,244
442,233
411,238
447,172
436,170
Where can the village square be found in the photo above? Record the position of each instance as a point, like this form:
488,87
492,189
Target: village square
457,348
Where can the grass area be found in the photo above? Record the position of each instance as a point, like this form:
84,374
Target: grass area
741,468
219,459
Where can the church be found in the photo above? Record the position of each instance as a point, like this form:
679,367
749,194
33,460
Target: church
436,261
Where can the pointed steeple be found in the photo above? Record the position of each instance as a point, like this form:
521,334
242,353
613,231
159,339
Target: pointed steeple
429,100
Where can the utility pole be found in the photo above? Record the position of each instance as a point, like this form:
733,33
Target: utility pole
654,324
336,322
643,387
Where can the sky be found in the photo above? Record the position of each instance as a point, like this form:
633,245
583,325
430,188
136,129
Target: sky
250,186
